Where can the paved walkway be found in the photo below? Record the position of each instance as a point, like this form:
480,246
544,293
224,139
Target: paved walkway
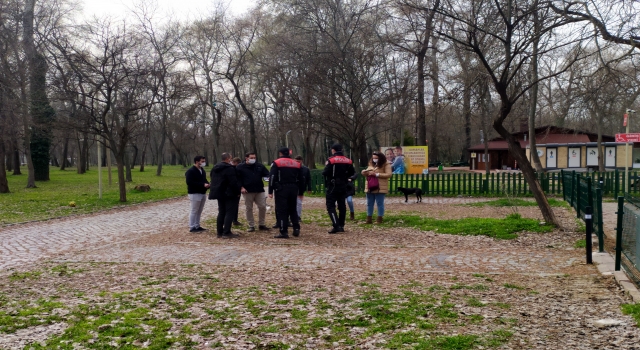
28,243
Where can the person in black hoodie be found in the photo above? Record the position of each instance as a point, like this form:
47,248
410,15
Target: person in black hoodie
225,187
197,186
351,191
250,174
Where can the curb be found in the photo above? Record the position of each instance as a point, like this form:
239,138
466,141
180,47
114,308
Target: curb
606,266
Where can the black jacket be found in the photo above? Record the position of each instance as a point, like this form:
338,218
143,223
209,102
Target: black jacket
250,176
224,182
306,176
337,171
351,186
196,180
285,171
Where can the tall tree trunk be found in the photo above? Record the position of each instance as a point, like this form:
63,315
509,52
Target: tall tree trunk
127,166
122,186
4,183
519,155
422,111
16,158
435,104
29,48
134,157
42,118
252,123
9,157
160,156
533,150
65,154
466,113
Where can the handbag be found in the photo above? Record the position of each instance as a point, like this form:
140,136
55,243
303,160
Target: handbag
372,183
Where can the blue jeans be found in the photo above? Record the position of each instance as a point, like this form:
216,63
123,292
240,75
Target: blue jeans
375,198
350,203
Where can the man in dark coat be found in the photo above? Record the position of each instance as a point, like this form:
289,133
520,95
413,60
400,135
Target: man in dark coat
337,171
251,173
225,187
197,186
285,179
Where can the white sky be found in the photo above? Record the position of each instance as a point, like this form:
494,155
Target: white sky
182,9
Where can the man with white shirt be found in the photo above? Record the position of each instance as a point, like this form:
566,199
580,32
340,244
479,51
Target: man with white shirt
197,186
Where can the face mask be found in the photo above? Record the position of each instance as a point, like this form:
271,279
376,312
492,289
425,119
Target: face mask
251,161
374,161
203,164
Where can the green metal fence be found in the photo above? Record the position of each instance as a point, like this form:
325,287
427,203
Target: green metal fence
629,256
446,183
582,191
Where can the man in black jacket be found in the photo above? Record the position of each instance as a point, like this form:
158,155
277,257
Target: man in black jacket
197,186
226,189
306,177
285,178
337,172
250,174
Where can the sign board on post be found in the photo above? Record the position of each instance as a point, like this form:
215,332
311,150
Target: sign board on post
626,119
627,138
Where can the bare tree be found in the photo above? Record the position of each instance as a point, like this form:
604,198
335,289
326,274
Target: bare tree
501,35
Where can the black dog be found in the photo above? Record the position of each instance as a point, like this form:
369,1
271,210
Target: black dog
408,191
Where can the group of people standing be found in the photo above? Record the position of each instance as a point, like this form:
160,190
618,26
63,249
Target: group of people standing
288,180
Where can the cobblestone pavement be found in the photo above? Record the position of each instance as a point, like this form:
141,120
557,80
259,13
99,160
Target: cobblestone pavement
28,243
304,256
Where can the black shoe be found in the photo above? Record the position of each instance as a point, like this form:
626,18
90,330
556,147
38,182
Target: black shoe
236,223
336,229
193,230
263,228
281,235
200,228
296,232
251,229
230,235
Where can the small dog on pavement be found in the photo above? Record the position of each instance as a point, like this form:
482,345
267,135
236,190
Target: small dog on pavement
408,191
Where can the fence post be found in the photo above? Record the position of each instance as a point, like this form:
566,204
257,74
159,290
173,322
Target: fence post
577,184
616,183
600,227
620,213
573,188
564,193
588,221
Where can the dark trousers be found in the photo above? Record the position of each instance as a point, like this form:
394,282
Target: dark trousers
286,199
227,211
337,196
235,219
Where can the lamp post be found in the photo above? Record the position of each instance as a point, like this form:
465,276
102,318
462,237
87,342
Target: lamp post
626,152
286,136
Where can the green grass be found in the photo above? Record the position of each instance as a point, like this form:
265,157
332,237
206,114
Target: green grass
51,198
506,228
581,243
633,310
517,202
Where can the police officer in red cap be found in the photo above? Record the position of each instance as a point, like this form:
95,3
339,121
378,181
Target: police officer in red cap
285,179
337,172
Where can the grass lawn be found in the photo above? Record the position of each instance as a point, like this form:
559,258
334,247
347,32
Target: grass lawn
52,198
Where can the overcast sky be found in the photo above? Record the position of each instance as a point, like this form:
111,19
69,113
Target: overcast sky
180,8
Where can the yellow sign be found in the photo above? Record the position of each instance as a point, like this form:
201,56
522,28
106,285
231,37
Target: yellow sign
407,159
473,154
